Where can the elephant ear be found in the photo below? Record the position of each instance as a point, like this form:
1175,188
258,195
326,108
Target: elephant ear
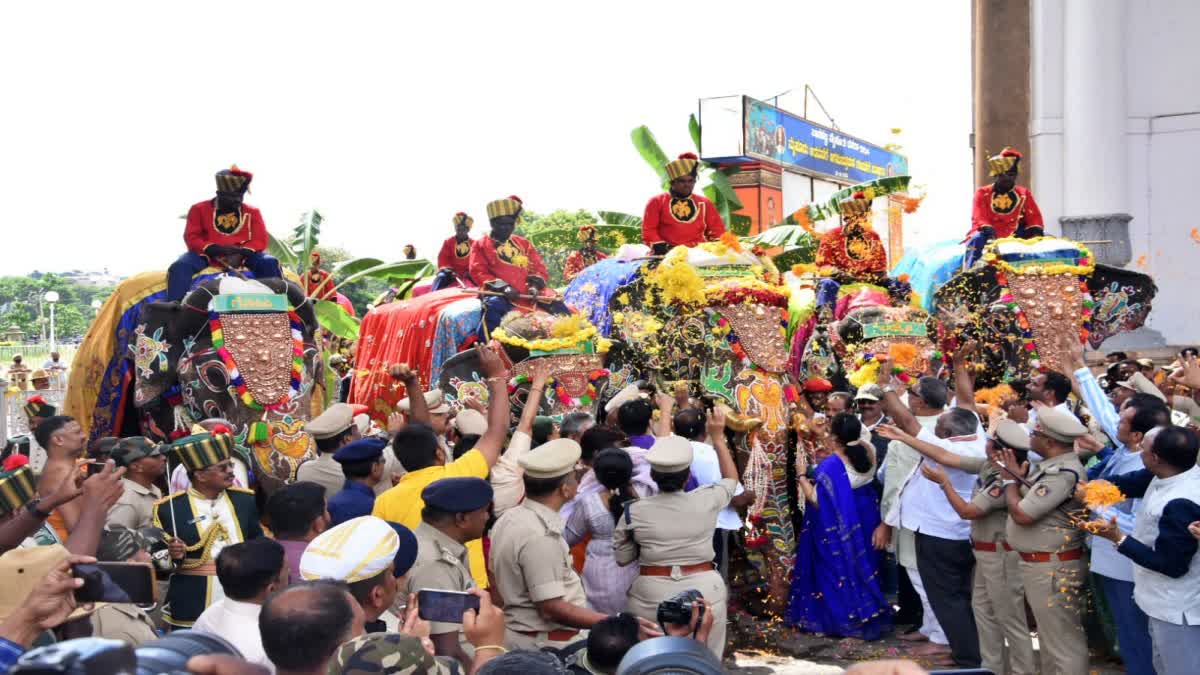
1122,300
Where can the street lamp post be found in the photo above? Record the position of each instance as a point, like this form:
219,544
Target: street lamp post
52,298
96,304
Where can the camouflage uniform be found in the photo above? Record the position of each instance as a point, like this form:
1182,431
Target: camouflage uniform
390,653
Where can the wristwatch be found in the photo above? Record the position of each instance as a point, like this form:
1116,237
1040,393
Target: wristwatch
32,506
1121,540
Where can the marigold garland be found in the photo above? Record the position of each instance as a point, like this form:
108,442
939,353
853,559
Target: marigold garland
1099,494
1084,262
552,344
677,280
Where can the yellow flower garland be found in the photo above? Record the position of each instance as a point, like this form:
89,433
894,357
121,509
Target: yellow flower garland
991,258
546,344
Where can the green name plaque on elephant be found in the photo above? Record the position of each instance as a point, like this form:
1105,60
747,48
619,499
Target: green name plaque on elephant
251,302
894,329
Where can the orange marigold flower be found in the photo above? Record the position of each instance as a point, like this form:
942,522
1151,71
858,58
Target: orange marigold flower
1098,494
730,239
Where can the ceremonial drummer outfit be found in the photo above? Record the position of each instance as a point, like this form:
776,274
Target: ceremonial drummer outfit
1053,568
530,561
455,255
206,526
689,221
670,536
998,597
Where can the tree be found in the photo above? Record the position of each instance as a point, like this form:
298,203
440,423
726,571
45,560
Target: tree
556,234
295,252
22,304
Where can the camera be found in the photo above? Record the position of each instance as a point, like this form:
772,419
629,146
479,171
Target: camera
101,656
678,610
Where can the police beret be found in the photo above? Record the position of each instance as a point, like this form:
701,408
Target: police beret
670,454
361,450
458,495
1061,426
1011,434
552,459
406,553
336,419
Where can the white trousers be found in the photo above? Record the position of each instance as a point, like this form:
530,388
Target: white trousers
930,627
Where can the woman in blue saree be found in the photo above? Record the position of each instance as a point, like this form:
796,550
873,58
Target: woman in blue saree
835,586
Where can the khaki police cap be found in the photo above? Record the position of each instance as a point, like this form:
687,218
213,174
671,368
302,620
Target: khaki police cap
1059,425
1012,435
334,421
670,454
629,393
1140,383
434,400
552,459
470,423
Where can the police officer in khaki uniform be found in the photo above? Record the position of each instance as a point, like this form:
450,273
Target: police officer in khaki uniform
998,595
670,534
456,511
1053,568
125,622
330,430
144,463
530,562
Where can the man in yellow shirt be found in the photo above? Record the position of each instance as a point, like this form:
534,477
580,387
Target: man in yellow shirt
416,447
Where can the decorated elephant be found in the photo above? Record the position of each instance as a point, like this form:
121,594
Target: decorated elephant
868,329
714,318
234,348
434,333
1026,292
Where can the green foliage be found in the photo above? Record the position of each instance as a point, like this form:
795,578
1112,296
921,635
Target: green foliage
718,189
556,234
335,319
21,304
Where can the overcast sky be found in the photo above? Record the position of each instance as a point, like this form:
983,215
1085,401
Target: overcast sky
390,116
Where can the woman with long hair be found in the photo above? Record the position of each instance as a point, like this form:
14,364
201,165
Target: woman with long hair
835,586
604,582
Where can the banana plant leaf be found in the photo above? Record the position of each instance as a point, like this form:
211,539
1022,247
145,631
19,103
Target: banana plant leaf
354,266
282,251
720,181
405,269
304,237
618,218
651,151
335,319
694,131
787,236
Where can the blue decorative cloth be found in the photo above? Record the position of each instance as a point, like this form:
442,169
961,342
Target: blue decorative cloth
9,653
590,291
456,323
930,268
835,585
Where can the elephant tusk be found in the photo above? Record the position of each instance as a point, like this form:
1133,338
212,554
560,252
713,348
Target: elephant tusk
741,423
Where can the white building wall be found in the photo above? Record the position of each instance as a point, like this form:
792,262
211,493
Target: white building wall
1158,74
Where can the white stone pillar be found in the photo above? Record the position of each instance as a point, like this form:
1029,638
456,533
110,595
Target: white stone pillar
1095,199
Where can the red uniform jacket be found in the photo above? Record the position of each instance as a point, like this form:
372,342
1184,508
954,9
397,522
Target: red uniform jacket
1004,218
576,262
248,232
702,224
490,260
859,257
449,257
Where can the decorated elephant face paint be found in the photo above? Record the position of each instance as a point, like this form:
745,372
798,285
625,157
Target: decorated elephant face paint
246,358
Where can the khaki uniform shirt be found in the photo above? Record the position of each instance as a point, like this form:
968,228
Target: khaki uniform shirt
672,528
1053,484
327,473
989,498
127,623
442,565
135,508
530,562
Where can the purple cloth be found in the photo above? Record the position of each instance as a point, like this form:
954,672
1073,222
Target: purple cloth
293,550
835,585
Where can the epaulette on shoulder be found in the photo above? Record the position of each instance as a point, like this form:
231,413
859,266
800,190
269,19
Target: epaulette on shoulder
234,488
169,497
